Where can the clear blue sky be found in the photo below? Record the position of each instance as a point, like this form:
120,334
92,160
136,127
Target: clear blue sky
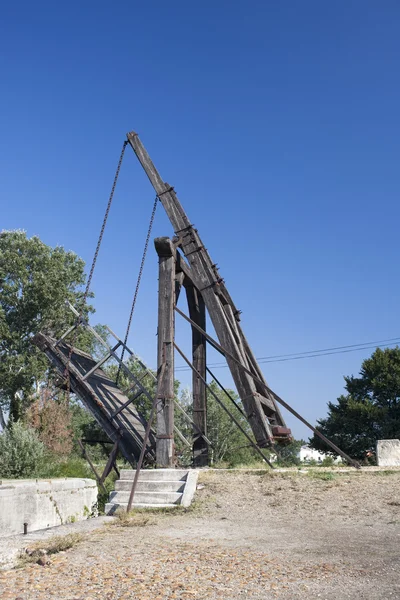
278,125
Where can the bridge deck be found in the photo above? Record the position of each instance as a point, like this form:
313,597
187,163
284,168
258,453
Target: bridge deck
101,396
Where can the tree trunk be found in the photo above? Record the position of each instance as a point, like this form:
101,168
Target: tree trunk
2,420
15,412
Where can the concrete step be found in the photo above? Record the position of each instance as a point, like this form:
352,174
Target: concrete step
150,486
111,508
157,488
147,497
155,474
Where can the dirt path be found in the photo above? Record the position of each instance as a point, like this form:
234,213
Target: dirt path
249,535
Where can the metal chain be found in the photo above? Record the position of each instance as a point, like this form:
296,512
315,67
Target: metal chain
153,213
96,253
90,276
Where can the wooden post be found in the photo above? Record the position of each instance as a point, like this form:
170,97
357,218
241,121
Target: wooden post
165,450
197,311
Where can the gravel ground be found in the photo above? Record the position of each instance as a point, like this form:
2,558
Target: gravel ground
253,535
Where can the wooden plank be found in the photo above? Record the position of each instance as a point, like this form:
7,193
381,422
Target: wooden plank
197,312
166,325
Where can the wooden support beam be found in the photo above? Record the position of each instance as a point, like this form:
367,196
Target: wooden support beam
206,278
86,455
197,312
165,450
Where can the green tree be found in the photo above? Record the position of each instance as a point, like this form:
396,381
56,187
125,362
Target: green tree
230,444
288,454
35,282
21,452
369,411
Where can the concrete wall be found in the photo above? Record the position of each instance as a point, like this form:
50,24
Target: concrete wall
44,503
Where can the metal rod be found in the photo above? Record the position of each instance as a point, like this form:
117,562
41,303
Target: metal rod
205,438
143,450
227,393
182,437
119,340
86,455
110,462
97,441
224,407
101,362
264,385
66,334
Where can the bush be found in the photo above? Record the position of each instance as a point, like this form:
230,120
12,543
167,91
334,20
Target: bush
77,467
21,452
71,467
328,461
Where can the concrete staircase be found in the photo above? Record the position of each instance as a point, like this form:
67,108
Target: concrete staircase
156,488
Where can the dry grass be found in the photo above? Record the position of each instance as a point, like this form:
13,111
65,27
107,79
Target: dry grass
54,545
133,519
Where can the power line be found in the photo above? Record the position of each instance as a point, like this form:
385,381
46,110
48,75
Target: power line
312,353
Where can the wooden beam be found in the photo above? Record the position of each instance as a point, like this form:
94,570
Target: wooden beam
197,312
110,462
86,455
206,278
165,450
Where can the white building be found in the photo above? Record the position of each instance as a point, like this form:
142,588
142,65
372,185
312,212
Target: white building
306,454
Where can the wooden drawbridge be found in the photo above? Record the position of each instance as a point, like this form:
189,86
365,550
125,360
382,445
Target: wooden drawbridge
113,410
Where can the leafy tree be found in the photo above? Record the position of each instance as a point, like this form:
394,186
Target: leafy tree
21,452
369,411
51,419
35,282
230,445
288,454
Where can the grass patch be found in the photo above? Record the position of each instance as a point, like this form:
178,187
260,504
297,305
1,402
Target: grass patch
41,550
323,476
133,519
385,473
142,517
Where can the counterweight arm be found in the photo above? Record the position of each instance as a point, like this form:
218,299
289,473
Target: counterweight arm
261,409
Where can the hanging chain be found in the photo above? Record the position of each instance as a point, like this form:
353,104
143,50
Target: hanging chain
90,276
153,213
96,253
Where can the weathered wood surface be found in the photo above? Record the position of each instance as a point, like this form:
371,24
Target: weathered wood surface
207,280
165,449
197,312
102,398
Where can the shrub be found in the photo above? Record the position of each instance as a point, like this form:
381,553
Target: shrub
71,467
328,461
21,452
52,421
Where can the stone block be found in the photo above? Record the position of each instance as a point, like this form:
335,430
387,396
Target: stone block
388,453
